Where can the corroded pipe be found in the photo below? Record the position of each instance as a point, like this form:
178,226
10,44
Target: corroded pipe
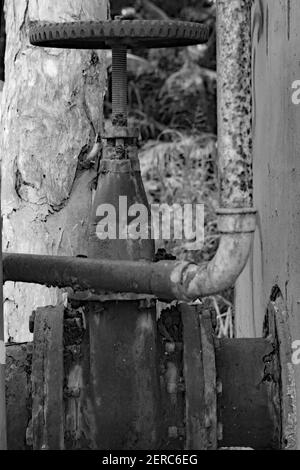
166,280
237,218
234,102
193,281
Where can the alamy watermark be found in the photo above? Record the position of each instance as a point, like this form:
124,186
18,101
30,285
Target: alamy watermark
183,222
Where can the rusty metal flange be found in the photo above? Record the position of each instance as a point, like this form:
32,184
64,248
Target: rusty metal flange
200,378
131,33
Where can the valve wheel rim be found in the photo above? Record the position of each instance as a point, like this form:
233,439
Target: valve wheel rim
129,33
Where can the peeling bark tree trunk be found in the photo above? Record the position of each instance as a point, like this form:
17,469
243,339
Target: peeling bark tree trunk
50,113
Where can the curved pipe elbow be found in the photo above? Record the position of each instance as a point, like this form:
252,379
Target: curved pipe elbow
166,280
187,281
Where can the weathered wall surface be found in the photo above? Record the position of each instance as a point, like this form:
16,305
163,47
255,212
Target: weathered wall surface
51,110
276,127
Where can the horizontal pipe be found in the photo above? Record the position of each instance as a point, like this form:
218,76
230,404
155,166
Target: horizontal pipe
168,280
79,273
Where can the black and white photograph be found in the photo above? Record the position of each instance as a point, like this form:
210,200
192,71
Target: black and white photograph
150,230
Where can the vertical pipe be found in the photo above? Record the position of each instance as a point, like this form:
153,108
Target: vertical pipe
234,102
235,131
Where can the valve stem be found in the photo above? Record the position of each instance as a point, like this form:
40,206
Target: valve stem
119,86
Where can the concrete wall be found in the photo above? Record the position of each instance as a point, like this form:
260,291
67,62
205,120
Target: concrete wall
276,133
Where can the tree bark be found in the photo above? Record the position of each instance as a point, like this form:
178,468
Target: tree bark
50,113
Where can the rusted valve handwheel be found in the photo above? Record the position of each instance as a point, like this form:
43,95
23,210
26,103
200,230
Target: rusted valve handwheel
129,33
118,35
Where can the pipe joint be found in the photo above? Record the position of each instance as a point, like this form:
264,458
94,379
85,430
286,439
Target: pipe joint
189,281
240,220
